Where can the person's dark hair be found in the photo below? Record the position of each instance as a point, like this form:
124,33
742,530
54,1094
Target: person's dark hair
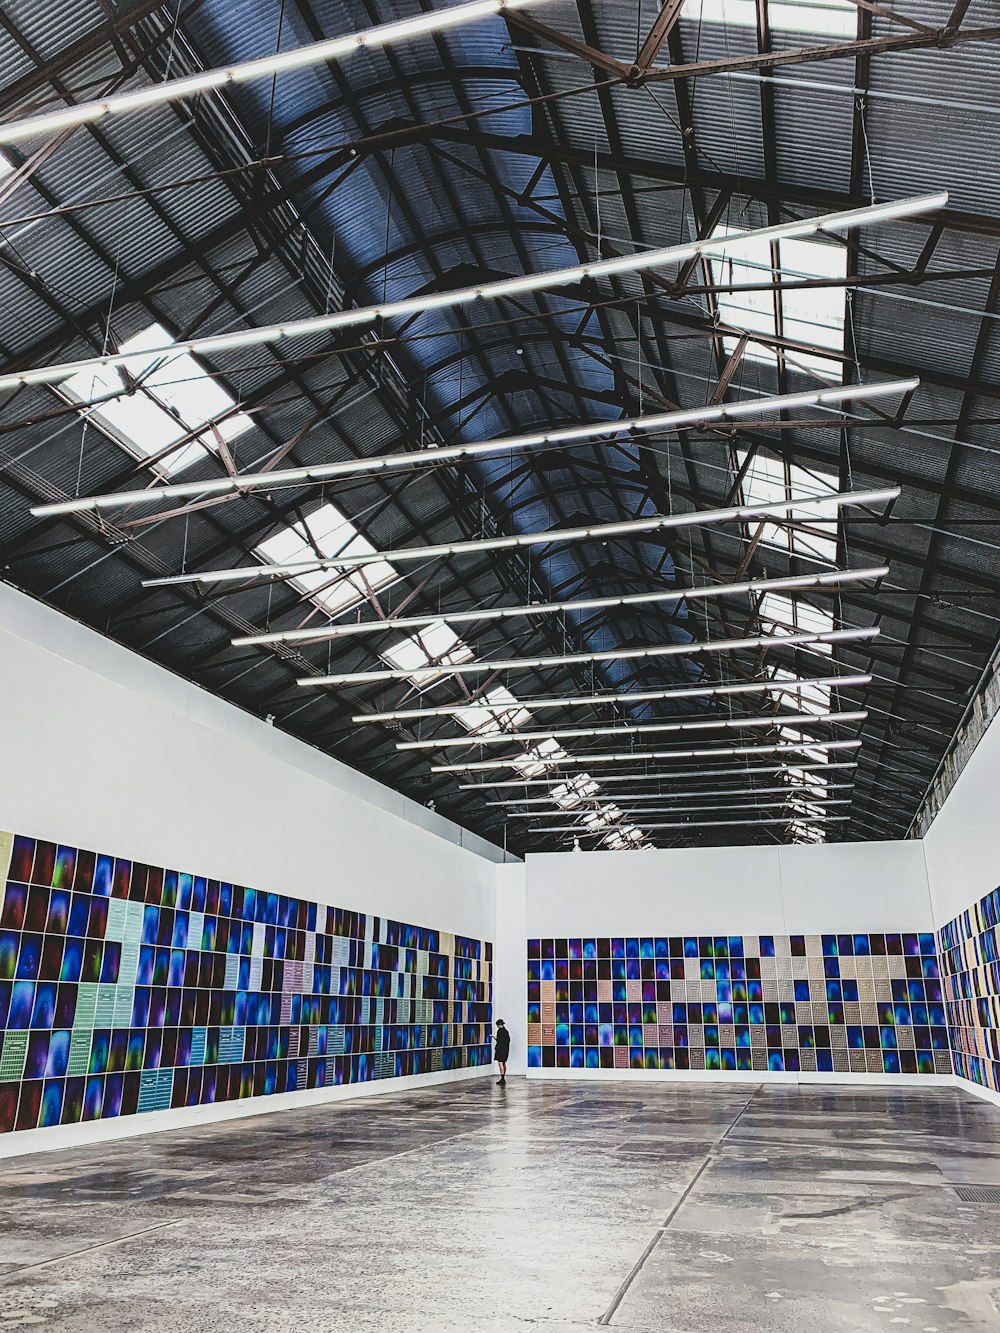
501,1023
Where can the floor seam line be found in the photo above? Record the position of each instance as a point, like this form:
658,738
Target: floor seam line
88,1249
658,1235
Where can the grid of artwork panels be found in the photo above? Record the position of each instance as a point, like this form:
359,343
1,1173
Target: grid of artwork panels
860,1003
127,988
970,967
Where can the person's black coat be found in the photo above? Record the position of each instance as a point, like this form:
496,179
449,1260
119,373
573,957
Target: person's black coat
501,1047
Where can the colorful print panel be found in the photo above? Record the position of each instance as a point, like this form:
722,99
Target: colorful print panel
832,1003
127,988
970,967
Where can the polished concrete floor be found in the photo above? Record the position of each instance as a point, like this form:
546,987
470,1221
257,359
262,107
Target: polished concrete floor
549,1207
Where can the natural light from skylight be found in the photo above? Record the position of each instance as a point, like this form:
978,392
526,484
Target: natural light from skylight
796,616
424,654
176,397
813,315
823,18
326,532
769,479
496,711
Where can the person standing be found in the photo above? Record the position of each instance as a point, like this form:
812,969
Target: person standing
501,1050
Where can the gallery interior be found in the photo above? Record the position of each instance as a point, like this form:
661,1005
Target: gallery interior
499,524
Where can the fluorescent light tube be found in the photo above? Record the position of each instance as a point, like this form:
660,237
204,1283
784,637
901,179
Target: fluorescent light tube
637,797
348,629
666,810
632,756
541,440
694,649
629,698
776,509
316,53
654,775
796,720
605,830
663,258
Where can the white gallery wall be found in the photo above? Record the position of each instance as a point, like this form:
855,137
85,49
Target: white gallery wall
107,751
806,890
962,845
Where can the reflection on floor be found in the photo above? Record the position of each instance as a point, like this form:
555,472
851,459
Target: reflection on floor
665,1209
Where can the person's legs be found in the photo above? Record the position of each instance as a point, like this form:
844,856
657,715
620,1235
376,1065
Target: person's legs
503,1071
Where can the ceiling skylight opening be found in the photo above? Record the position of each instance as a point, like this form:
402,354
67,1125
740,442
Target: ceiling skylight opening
424,654
328,533
6,166
496,711
803,832
568,795
768,481
539,758
173,399
797,616
823,18
813,315
813,698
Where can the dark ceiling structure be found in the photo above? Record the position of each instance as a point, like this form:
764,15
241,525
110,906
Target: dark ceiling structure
527,141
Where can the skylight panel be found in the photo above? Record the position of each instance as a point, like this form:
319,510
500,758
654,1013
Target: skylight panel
812,315
176,396
327,532
823,18
496,711
539,758
769,480
807,698
6,166
423,654
568,795
797,615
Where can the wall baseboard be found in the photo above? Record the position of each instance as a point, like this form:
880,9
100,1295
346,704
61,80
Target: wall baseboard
19,1143
736,1076
977,1090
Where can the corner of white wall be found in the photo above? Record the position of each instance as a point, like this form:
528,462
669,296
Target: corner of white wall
510,973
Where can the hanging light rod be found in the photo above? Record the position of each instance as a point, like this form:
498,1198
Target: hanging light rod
302,57
629,814
697,823
630,697
601,268
553,439
321,633
641,797
795,720
777,509
685,774
429,673
630,756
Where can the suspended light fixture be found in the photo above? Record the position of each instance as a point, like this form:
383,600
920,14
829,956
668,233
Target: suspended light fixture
631,756
322,473
702,823
797,582
627,699
642,797
807,640
796,721
629,814
360,316
634,527
248,71
685,774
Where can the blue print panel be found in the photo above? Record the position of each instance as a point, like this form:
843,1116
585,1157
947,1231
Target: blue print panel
970,966
852,1003
127,988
